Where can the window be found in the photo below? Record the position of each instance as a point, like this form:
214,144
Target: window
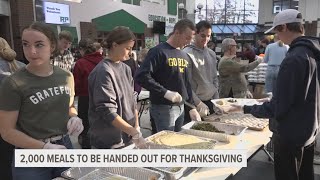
134,2
229,12
279,5
162,2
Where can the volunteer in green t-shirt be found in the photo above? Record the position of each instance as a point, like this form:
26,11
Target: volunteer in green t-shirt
37,101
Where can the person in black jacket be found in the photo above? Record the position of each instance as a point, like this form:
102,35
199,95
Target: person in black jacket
294,109
131,62
164,72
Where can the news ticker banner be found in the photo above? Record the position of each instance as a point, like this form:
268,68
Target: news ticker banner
129,158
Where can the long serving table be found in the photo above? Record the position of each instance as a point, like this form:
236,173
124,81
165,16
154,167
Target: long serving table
252,141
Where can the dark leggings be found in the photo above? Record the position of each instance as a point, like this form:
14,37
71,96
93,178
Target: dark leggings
83,106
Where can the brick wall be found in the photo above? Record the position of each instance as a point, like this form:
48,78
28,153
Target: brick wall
88,30
21,16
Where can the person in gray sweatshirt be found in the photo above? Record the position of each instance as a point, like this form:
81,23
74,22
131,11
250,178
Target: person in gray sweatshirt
112,101
203,70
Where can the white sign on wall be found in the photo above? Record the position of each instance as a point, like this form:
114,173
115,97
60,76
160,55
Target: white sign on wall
170,21
56,13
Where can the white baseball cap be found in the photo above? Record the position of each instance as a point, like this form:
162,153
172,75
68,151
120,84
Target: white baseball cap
285,17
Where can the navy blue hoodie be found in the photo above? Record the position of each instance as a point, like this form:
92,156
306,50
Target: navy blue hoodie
294,109
165,68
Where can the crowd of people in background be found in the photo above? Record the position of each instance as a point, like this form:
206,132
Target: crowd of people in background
183,75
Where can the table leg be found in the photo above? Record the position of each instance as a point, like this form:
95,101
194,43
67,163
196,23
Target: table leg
268,154
141,109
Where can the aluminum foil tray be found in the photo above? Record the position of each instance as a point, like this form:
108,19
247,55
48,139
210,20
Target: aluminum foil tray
100,174
173,173
240,119
226,102
230,132
151,145
208,144
126,172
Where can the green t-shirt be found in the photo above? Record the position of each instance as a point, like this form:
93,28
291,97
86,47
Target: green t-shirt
43,102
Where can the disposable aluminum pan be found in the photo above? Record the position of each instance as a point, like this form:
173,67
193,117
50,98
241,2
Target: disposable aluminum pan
231,132
128,172
173,173
100,174
207,144
151,145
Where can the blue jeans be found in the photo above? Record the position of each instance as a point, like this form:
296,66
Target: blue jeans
41,173
271,78
167,117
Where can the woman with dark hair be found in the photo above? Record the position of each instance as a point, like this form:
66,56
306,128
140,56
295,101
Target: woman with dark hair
112,102
262,45
248,53
36,107
83,67
8,65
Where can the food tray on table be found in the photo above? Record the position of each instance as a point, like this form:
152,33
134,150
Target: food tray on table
99,174
151,145
236,101
215,130
129,173
171,172
177,140
240,119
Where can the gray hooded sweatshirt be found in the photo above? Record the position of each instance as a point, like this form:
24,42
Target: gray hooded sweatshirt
204,78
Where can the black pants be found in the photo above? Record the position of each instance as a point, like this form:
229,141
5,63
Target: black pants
292,163
6,154
83,107
187,118
153,125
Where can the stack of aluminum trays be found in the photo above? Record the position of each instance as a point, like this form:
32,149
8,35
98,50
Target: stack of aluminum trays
258,74
230,132
126,173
